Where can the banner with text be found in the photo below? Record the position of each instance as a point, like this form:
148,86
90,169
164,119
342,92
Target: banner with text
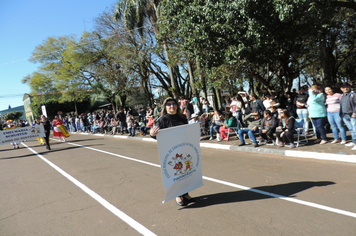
180,159
21,134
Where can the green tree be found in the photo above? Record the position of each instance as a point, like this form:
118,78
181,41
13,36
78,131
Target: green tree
14,115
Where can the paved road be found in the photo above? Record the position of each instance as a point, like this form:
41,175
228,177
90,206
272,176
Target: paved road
77,189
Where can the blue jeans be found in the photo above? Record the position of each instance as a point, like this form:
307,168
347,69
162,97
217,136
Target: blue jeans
319,123
123,125
72,127
336,122
350,122
303,116
250,133
212,128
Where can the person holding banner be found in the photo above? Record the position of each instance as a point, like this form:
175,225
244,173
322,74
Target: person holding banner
56,130
10,125
171,116
47,130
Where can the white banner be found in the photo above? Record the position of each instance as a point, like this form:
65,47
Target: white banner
44,111
180,159
21,134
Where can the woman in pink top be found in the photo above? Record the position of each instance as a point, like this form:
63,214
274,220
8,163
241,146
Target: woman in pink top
333,113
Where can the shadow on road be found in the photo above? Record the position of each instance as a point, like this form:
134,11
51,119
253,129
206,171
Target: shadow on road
286,190
46,152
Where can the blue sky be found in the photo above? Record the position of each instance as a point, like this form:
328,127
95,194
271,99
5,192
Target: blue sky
26,24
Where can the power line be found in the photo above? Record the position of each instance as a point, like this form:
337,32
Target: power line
11,95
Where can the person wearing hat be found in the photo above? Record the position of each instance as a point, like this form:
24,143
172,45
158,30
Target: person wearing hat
195,119
348,112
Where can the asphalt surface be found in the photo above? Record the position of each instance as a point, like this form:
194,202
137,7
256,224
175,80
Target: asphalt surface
102,185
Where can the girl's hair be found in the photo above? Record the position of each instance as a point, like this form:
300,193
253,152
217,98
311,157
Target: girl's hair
240,99
286,115
56,117
254,95
170,99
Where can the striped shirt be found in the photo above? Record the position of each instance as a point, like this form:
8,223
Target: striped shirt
333,102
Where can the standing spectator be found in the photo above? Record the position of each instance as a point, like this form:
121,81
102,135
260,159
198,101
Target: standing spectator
302,111
285,130
317,112
267,102
333,113
256,104
155,111
196,109
268,126
205,105
120,116
235,108
348,112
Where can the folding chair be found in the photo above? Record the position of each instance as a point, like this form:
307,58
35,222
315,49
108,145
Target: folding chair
234,130
298,126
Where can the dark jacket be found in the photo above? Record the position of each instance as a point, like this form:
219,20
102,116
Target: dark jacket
272,123
302,98
351,101
168,120
291,123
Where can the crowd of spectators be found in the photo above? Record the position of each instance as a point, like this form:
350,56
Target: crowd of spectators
269,118
275,117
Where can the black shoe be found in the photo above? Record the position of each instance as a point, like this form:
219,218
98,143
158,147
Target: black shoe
242,144
188,200
181,203
256,145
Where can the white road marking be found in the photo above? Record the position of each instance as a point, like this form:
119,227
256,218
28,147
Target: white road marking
306,203
134,224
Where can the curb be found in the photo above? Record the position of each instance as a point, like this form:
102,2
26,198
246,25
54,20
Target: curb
290,153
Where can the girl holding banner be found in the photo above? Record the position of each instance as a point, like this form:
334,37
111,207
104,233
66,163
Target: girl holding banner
47,128
171,116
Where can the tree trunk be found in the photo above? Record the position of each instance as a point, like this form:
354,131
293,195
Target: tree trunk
170,71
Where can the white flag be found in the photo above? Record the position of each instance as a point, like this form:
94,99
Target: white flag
180,159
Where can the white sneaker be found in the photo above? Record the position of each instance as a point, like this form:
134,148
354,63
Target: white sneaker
210,138
354,148
350,144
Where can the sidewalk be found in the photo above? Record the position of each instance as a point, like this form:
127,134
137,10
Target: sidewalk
328,151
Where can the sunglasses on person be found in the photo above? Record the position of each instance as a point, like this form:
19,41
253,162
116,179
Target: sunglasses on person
171,104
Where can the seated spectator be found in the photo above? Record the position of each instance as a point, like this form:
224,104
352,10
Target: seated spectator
254,122
215,124
268,126
195,119
95,126
114,126
230,121
285,130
